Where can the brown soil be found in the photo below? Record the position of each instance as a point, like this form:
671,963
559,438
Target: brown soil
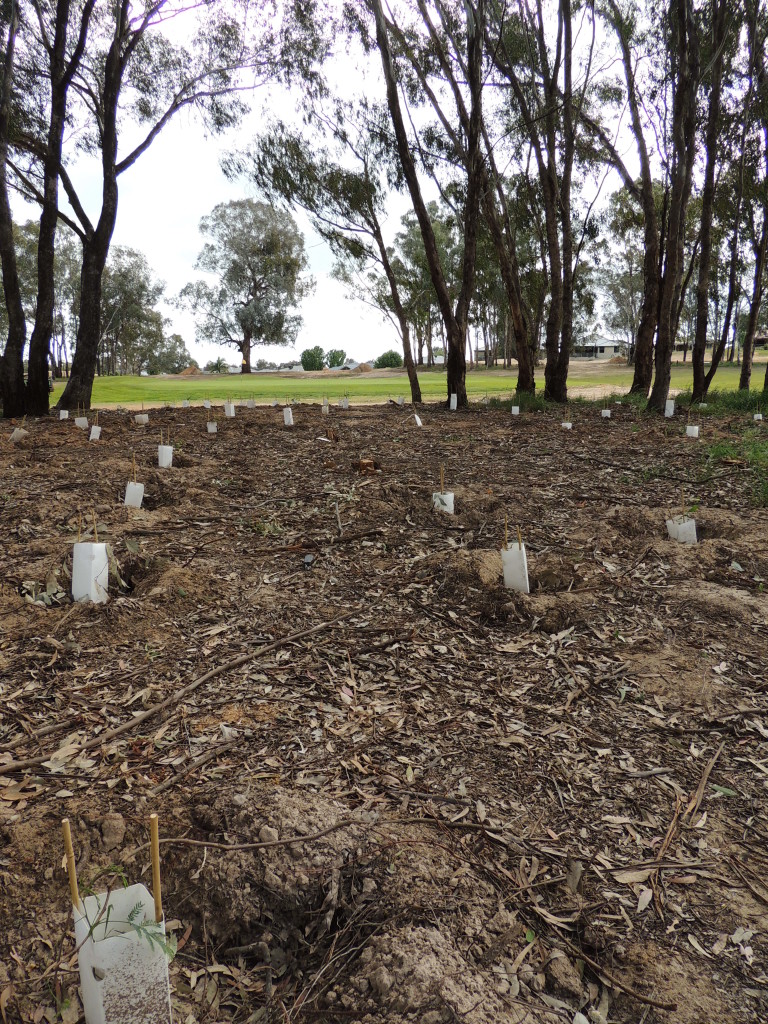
509,808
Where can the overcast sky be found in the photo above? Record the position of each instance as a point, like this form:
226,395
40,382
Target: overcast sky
162,198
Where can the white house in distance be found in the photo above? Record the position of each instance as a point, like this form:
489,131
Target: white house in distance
598,347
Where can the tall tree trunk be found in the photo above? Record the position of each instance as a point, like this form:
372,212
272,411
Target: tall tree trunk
754,307
12,360
246,352
718,31
683,153
77,393
40,342
455,322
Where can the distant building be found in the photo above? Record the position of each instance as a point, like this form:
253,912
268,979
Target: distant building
349,365
297,368
598,347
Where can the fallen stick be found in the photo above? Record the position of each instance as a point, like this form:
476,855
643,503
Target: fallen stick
31,762
188,769
695,803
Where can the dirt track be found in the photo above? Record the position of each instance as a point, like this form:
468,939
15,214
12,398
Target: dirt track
537,804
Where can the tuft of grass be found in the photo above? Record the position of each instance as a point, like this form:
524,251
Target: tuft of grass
751,449
721,401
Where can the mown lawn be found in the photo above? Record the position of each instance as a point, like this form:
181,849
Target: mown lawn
368,387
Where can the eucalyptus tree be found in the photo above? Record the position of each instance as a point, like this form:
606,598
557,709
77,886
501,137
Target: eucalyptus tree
12,359
719,41
467,48
256,255
341,182
53,42
132,328
120,65
659,48
533,53
684,57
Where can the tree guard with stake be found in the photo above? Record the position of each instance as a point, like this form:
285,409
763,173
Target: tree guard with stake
123,953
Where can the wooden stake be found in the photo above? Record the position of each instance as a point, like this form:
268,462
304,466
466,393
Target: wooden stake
506,540
154,840
71,869
95,527
79,526
682,500
133,460
442,480
519,539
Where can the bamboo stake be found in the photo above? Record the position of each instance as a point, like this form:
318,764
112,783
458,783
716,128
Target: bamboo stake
519,539
79,526
95,527
133,460
154,839
442,479
71,869
506,537
682,501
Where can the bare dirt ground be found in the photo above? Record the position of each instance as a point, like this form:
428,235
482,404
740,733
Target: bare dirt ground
389,789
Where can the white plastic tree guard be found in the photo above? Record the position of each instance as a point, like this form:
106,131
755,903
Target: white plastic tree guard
212,427
567,425
165,456
251,403
63,414
400,400
18,434
757,417
454,402
288,417
185,403
418,420
325,409
123,966
515,410
141,418
90,572
82,422
95,433
682,528
443,501
514,564
134,494
122,949
344,403
605,413
691,430
229,410
206,403
669,408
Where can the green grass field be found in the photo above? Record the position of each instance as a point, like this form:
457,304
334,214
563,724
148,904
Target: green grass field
589,378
